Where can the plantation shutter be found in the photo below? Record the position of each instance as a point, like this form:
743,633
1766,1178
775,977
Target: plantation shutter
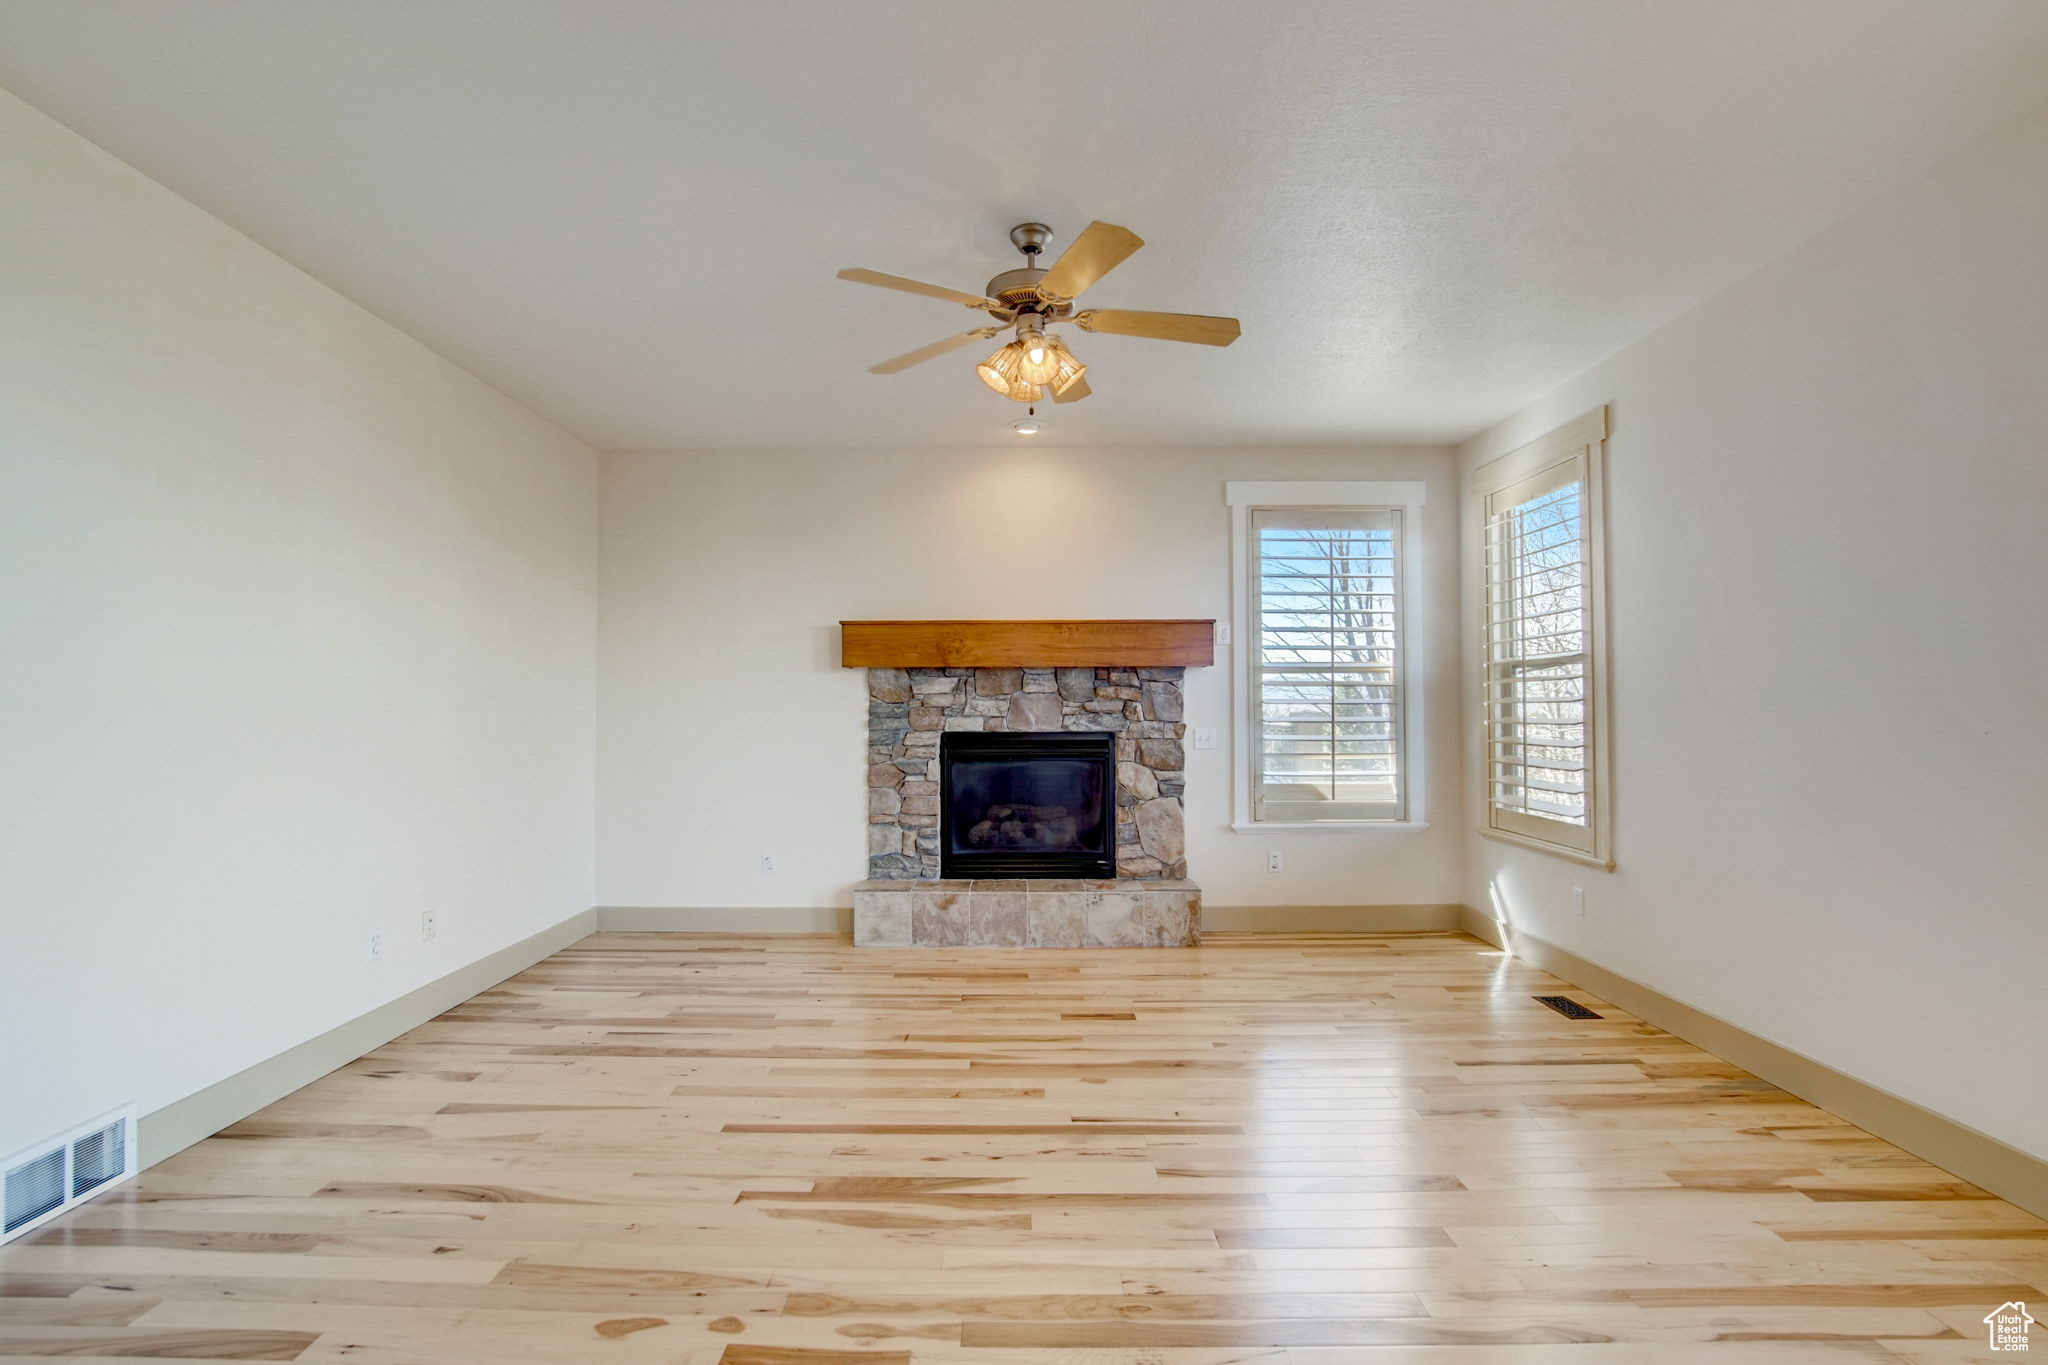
1326,667
1539,761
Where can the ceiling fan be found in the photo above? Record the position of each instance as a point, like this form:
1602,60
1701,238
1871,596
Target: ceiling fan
1037,362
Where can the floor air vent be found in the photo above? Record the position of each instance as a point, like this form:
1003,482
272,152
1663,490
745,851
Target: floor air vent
44,1180
1565,1005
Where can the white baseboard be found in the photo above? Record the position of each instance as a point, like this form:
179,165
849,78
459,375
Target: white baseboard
724,919
1329,919
181,1123
804,919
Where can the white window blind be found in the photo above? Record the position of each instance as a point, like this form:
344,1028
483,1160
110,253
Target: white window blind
1326,667
1541,648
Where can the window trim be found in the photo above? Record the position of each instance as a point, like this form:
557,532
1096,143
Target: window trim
1582,444
1405,496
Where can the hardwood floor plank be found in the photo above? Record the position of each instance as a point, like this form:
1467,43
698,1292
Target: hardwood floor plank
153,1345
1177,1307
796,1355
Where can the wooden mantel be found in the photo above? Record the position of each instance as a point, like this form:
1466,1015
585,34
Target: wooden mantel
1027,644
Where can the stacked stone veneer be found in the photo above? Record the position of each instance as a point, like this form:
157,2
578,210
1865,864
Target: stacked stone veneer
908,709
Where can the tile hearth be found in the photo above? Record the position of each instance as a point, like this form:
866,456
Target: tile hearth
1038,913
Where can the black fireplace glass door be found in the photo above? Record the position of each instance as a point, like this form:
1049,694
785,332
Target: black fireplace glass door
1024,805
1050,805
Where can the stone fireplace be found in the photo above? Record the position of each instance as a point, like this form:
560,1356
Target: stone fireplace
912,711
1025,804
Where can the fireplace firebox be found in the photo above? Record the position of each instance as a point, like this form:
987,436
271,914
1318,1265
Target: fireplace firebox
1027,804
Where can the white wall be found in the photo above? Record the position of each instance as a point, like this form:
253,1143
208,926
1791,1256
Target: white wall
728,729
1826,490
298,623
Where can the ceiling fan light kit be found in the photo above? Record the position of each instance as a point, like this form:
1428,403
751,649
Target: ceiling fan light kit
1029,299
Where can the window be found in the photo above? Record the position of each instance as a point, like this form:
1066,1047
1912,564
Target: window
1322,653
1544,690
1327,716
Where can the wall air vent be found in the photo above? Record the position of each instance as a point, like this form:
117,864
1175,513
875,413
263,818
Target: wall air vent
1565,1005
42,1181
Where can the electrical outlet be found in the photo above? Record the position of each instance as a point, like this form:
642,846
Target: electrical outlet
376,946
1205,736
1273,861
1578,900
1223,632
430,924
768,865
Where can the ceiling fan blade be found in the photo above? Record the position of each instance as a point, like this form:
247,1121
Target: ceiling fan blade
1075,391
935,291
1100,248
1203,331
937,348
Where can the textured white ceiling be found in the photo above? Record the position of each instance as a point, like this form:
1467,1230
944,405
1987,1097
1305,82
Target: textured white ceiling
628,214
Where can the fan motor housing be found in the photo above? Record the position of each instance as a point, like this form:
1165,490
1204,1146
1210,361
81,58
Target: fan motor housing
1017,291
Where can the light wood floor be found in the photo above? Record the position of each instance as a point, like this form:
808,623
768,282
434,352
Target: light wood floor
1318,1149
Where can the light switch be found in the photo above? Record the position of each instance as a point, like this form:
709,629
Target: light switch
1205,736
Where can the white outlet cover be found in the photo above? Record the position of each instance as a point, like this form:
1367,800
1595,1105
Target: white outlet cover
1223,632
